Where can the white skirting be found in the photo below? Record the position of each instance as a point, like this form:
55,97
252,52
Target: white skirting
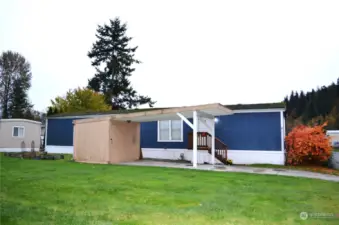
59,149
237,156
174,154
256,157
17,149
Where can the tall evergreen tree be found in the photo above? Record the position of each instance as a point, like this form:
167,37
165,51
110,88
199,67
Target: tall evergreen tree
15,81
20,106
112,52
301,103
292,102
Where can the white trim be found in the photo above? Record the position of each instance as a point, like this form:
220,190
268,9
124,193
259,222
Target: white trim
17,149
23,132
46,132
169,121
237,156
282,131
258,110
284,123
195,138
185,120
213,144
59,149
20,120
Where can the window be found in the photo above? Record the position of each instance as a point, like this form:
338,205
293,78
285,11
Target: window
170,130
18,132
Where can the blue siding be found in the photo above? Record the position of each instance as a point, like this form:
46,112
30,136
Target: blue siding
60,132
242,131
250,131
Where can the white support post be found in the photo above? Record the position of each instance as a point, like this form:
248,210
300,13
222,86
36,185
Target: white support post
213,143
195,139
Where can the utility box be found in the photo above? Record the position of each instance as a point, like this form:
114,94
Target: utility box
105,140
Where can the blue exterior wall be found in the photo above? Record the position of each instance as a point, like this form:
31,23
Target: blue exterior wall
240,131
250,131
60,132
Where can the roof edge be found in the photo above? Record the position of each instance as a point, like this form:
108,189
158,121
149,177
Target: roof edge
260,107
20,120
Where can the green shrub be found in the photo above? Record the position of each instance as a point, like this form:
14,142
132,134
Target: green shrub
229,162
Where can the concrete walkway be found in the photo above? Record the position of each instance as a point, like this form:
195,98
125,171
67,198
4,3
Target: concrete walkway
241,169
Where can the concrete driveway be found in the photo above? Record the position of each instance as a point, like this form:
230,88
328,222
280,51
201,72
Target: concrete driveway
240,169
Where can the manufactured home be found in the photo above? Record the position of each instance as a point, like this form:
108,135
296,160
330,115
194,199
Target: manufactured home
19,135
246,134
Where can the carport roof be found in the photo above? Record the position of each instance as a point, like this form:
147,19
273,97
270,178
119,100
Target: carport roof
260,106
215,109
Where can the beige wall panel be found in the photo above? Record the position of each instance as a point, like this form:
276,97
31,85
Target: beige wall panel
125,143
91,141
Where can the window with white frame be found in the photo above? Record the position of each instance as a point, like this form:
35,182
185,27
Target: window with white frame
170,130
18,131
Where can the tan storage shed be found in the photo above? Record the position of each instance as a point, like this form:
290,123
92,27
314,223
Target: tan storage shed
105,140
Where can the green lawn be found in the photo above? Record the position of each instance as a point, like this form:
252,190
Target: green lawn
61,192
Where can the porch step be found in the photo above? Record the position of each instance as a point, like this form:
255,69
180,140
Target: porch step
205,143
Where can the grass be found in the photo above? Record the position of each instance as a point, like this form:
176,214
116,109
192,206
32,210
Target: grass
62,192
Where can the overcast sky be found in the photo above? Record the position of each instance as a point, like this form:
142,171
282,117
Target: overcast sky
193,52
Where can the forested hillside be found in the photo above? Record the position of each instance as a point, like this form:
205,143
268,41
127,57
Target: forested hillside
314,107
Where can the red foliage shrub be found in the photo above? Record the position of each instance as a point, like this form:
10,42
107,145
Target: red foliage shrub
308,145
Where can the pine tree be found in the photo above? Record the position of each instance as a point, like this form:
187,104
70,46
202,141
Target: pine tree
296,103
15,81
302,103
112,51
291,103
20,106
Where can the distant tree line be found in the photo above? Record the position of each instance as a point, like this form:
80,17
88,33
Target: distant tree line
314,107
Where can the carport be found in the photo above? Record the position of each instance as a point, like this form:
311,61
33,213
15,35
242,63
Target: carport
118,135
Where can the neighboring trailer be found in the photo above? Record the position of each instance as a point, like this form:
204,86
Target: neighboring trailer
104,140
19,135
334,134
